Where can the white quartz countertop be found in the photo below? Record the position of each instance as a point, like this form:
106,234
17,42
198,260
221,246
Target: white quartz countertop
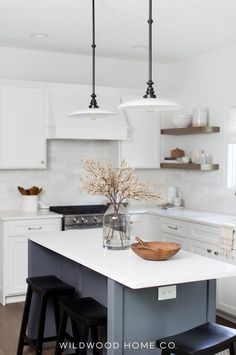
125,267
195,216
22,215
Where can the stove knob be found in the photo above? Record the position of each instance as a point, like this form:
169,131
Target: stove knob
76,220
95,219
84,220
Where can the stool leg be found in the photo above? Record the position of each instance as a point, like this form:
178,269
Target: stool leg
232,349
94,333
42,316
75,335
61,334
165,352
57,313
83,335
24,321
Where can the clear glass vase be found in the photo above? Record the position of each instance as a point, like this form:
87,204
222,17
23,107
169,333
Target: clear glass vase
116,227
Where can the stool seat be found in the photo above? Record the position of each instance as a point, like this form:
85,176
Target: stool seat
85,314
85,309
208,338
49,286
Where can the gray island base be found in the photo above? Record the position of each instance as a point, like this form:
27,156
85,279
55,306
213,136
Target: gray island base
135,316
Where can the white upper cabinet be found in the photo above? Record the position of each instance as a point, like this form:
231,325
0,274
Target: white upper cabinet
142,149
22,125
63,99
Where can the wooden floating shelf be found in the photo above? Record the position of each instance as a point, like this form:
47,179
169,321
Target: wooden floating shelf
190,130
190,166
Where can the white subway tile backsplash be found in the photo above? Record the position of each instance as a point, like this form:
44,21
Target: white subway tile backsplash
61,184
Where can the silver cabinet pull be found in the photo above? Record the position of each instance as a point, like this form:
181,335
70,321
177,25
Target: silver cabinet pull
34,228
209,250
172,227
216,252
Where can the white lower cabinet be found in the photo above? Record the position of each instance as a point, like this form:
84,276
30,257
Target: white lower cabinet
153,227
145,226
174,231
204,240
226,296
209,250
16,265
175,239
14,255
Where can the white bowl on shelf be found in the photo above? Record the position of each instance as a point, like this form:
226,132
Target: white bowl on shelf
182,121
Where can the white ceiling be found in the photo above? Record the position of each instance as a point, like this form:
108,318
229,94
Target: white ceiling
183,28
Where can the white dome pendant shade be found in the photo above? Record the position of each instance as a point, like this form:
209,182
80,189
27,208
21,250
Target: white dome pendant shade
93,111
149,102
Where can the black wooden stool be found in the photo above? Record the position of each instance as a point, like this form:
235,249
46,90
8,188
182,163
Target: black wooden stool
47,287
85,313
206,339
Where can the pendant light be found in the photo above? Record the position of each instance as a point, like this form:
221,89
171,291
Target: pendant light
149,101
93,111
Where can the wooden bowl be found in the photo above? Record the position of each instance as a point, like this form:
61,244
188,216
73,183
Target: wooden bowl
157,251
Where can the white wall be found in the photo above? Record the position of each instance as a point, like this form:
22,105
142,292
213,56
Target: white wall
26,64
207,80
60,180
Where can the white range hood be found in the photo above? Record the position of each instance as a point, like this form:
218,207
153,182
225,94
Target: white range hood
65,98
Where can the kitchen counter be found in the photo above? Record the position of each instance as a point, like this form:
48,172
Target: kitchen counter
128,286
22,215
195,216
85,247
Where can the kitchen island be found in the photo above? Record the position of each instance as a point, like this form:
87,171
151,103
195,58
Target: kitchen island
129,286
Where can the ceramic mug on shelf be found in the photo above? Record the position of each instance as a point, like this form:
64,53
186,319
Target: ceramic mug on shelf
200,117
196,156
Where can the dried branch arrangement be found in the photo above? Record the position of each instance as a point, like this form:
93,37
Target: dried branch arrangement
116,184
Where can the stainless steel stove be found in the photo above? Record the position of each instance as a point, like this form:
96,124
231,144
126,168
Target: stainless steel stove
77,217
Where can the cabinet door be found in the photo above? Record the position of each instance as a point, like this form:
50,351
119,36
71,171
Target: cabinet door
153,228
139,225
17,264
226,295
175,239
142,149
16,236
22,127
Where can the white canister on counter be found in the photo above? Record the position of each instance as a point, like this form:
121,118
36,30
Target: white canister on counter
171,193
30,203
177,201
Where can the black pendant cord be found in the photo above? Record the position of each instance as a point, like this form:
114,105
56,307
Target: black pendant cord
93,102
150,93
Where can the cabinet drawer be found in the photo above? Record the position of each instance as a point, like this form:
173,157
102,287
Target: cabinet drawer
204,233
31,226
209,250
173,226
166,237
